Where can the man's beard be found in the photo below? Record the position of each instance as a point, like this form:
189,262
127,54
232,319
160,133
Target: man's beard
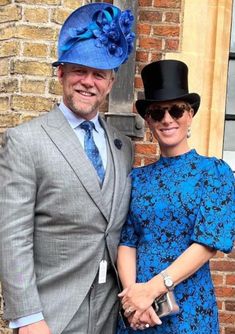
85,110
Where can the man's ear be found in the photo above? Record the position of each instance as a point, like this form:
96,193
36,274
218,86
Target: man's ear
111,82
60,73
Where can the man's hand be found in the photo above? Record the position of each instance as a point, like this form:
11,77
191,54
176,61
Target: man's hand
145,320
39,327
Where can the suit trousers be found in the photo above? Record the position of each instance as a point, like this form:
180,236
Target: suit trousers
99,310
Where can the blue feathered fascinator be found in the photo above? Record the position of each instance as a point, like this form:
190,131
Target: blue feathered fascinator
96,35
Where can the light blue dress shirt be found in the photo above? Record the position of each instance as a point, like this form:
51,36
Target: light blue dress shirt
100,141
98,134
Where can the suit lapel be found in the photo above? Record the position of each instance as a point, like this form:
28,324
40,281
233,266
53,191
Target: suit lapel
66,141
119,172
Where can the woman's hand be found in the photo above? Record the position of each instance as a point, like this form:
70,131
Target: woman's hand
136,299
137,296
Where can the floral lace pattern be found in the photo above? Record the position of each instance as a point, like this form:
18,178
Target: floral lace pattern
175,202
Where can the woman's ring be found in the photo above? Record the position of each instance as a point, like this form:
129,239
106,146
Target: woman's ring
147,325
129,310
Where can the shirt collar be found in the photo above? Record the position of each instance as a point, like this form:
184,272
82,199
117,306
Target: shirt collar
74,120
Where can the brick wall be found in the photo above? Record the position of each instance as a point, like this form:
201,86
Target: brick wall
28,86
158,32
28,34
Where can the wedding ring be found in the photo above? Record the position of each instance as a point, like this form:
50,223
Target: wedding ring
147,325
129,310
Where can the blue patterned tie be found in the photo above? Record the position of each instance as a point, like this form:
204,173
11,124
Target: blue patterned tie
91,149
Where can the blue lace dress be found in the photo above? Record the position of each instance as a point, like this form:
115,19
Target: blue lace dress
175,202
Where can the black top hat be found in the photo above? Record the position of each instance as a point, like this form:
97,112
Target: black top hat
166,80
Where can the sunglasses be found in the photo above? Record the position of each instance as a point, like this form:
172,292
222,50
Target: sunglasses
157,114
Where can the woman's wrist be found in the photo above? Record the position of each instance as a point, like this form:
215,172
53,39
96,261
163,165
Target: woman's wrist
157,286
127,284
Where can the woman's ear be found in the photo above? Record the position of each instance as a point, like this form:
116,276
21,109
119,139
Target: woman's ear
147,119
191,114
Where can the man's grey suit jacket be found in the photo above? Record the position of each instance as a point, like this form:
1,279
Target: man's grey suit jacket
54,226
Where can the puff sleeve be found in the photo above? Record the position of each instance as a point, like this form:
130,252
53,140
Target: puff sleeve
215,221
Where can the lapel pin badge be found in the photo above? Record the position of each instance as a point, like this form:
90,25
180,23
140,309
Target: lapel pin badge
118,143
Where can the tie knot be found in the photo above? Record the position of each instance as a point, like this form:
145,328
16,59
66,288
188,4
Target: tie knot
87,126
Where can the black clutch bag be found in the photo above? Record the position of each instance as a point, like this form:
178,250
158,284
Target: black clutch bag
166,305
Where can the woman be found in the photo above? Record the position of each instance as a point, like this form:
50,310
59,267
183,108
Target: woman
182,211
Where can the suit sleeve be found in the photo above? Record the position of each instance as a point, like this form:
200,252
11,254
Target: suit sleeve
17,200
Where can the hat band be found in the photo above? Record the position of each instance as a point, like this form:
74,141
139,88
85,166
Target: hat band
164,95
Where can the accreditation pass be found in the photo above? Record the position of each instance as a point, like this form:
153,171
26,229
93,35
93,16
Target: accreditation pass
102,272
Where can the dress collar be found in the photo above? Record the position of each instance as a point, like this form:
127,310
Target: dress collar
178,158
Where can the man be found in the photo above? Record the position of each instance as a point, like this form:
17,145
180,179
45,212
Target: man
65,190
